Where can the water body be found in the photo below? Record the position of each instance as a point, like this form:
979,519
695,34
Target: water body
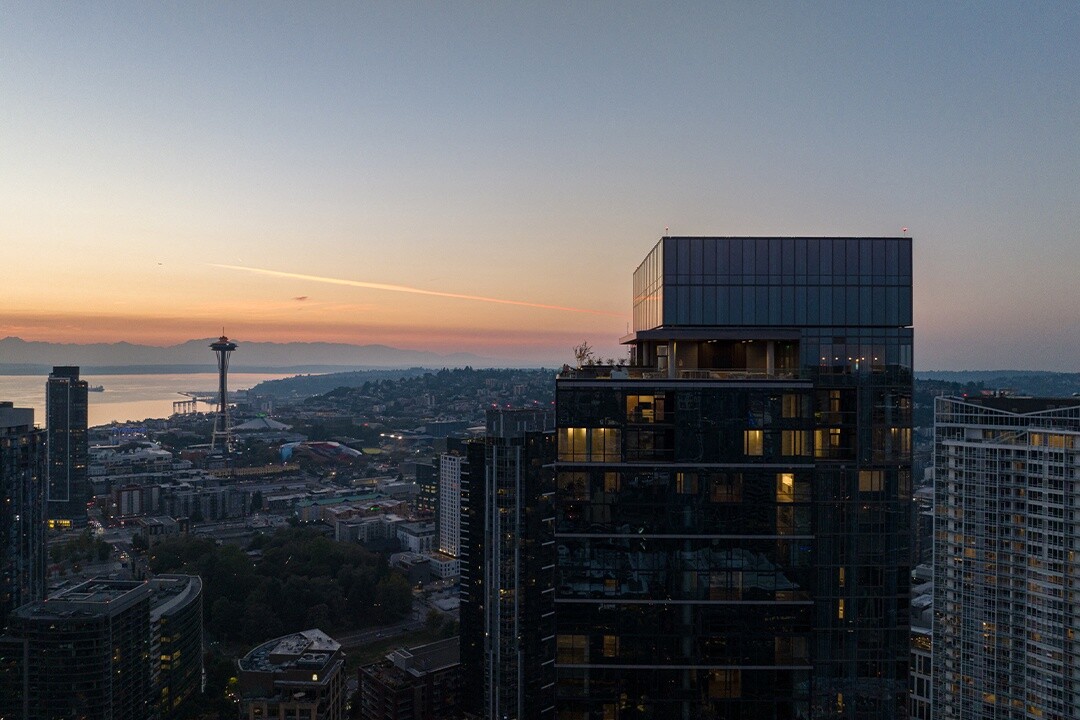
127,397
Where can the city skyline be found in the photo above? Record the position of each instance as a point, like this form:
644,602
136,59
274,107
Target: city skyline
430,160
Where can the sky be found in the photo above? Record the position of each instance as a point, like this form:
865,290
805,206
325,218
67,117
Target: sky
293,171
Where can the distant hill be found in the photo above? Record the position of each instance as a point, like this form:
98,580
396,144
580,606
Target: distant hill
18,356
1037,383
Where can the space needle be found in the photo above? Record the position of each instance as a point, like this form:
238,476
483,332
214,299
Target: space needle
222,428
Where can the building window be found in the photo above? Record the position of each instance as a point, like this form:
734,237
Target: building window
644,408
794,442
590,444
871,480
791,406
611,646
686,483
727,488
725,684
785,487
573,649
754,442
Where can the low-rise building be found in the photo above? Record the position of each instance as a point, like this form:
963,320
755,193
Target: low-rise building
417,537
420,683
298,675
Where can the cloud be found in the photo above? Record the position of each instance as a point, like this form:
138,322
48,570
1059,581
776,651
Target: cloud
414,291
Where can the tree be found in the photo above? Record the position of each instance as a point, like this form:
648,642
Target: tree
256,501
583,354
393,597
139,543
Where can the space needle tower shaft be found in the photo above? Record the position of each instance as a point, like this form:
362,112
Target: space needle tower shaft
222,427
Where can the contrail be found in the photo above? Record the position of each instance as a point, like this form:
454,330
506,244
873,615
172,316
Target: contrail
415,291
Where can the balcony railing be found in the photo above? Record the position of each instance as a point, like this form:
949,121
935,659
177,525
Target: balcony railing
609,372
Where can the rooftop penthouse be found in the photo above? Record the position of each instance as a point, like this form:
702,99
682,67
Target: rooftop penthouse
743,308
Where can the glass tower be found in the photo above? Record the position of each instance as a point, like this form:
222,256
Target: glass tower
732,506
22,505
66,420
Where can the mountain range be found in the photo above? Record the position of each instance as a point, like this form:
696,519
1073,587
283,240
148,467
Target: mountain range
18,356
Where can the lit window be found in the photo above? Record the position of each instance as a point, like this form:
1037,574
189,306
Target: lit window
754,442
794,442
785,487
611,646
870,480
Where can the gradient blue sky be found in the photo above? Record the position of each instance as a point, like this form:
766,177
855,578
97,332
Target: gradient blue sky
532,152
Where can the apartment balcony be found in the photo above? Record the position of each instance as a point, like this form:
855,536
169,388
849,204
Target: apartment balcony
636,372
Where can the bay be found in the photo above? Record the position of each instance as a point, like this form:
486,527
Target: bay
127,397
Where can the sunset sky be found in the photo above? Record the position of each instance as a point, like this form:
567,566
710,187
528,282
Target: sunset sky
167,169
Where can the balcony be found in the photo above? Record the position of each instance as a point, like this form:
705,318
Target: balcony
635,372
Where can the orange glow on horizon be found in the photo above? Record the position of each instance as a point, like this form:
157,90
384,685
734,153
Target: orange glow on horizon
314,328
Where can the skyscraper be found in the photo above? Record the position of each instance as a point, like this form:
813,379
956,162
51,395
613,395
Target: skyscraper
84,653
1006,611
22,508
450,468
65,421
518,565
732,508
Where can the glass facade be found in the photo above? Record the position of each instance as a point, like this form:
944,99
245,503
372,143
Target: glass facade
746,282
732,511
66,418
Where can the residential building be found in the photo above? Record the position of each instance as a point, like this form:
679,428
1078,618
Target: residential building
84,654
298,675
176,631
450,504
732,512
1006,615
518,565
65,422
22,508
420,683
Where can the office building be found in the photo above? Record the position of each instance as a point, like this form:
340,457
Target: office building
81,654
419,683
65,422
733,507
298,675
1006,614
22,507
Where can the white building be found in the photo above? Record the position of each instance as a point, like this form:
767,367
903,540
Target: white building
1006,605
450,504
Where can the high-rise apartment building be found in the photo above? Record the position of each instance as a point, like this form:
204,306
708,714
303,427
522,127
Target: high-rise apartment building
176,635
65,423
22,508
450,467
81,654
1006,634
732,510
518,565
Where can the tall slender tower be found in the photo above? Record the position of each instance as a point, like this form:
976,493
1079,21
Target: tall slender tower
22,507
222,429
732,511
66,421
